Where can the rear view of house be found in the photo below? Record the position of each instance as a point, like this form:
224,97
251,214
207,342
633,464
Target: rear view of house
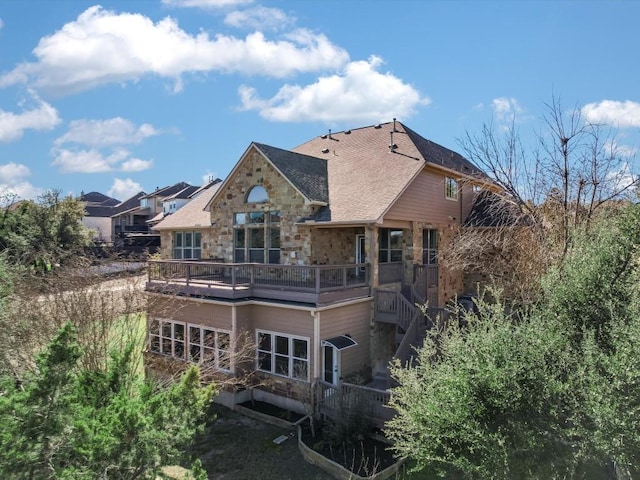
319,252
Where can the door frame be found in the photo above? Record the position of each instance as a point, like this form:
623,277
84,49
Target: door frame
335,364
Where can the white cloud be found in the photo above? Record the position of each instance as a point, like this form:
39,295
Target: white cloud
102,47
506,109
101,133
361,93
136,165
617,150
11,173
259,18
206,3
13,182
620,114
13,125
93,161
124,188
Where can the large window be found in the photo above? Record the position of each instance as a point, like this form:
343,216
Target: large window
187,245
429,247
167,337
282,354
257,237
210,346
451,188
195,343
390,248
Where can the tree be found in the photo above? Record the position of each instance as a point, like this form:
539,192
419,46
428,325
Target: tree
548,391
45,231
68,422
574,173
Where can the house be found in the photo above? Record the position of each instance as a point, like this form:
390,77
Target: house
172,203
320,252
185,234
98,210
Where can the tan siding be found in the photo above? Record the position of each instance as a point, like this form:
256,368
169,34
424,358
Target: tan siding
353,320
194,312
424,201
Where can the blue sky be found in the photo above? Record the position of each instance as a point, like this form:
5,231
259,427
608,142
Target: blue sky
124,96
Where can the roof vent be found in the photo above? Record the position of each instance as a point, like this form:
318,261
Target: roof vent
325,150
377,126
323,136
347,132
392,146
394,125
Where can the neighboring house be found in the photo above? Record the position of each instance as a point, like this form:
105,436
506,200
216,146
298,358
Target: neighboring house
320,252
98,210
183,235
173,203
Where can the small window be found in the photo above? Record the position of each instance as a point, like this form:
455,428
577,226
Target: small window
283,355
451,188
257,194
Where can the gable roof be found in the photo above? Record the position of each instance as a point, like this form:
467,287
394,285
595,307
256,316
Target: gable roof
98,199
129,204
307,174
184,193
192,215
366,175
167,191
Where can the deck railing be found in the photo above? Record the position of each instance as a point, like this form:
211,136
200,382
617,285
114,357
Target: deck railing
351,398
309,278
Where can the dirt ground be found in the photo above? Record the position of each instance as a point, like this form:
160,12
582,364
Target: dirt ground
236,447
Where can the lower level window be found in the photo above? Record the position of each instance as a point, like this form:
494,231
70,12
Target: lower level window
195,343
210,346
282,354
167,337
187,245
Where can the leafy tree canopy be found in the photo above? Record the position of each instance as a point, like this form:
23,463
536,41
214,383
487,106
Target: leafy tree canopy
64,422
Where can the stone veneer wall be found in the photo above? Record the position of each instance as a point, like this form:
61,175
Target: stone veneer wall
295,240
333,246
166,242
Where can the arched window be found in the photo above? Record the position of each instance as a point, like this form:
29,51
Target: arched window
257,194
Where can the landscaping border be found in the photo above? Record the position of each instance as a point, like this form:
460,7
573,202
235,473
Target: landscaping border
337,470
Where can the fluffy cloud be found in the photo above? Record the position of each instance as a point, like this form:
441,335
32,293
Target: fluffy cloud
361,93
136,165
13,183
102,47
94,161
13,125
259,18
620,114
102,133
506,109
124,188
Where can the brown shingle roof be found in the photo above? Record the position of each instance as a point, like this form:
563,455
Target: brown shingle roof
365,178
192,214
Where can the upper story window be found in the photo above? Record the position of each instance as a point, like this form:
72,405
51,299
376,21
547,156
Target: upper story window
451,188
144,202
390,248
429,247
256,237
258,194
187,245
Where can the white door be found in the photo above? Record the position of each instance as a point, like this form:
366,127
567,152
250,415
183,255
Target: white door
331,372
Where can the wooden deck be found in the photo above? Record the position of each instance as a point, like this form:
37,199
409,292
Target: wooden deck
315,284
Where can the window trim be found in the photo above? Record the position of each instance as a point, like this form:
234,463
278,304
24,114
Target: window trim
290,354
182,247
428,232
451,188
387,233
172,338
242,221
217,349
